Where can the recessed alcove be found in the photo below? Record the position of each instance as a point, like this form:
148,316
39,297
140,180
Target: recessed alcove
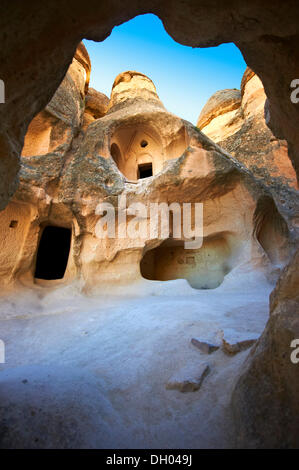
137,151
116,155
271,230
203,268
53,253
13,224
38,137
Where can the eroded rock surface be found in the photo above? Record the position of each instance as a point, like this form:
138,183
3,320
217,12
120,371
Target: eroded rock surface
138,152
235,120
265,400
96,106
221,116
39,45
53,130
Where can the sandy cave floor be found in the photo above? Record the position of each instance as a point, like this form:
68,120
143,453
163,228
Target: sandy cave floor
90,371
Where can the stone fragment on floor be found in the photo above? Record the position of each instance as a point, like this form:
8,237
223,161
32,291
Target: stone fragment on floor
204,346
234,342
189,378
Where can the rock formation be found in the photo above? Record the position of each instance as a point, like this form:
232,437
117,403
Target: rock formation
239,126
235,121
53,130
50,36
221,115
141,152
38,48
96,106
270,378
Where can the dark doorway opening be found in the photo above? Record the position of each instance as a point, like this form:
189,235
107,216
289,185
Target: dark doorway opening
145,170
116,155
53,253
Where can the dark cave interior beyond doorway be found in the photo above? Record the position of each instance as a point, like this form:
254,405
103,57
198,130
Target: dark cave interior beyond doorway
145,170
53,253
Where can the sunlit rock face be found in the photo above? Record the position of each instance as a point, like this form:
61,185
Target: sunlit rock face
133,148
96,106
235,120
54,128
141,134
132,85
221,116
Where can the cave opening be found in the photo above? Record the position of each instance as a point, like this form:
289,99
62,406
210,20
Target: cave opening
53,253
115,153
145,170
271,230
137,150
203,268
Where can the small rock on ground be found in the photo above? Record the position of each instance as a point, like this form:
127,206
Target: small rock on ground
235,342
204,346
189,378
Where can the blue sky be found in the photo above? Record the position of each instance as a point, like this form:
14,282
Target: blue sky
185,78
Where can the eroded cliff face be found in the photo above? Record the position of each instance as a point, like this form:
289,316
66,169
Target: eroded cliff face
264,402
235,121
139,152
221,116
53,130
265,399
39,45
